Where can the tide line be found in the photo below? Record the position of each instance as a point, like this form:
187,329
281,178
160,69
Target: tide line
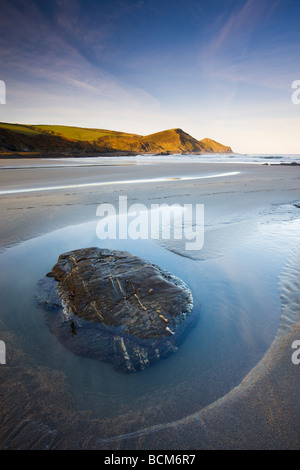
108,183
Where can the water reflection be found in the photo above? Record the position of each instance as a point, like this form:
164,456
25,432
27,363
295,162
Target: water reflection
239,310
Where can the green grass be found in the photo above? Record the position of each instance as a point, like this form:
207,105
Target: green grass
71,133
79,133
22,129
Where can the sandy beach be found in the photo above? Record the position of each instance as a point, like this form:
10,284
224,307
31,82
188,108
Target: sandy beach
30,214
42,196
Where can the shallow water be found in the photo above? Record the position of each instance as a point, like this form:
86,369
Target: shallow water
236,296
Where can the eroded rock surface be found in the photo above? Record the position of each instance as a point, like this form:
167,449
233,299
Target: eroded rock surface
116,307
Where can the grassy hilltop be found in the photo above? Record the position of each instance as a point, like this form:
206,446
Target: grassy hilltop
61,140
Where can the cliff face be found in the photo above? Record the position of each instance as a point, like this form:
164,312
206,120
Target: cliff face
214,147
76,140
176,141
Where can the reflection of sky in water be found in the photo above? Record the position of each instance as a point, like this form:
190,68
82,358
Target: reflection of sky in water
236,295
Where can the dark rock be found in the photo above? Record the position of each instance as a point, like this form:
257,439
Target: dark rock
290,164
116,307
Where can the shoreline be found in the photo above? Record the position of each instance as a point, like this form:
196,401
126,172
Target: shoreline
266,398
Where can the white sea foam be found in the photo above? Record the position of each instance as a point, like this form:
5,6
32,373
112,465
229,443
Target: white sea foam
108,183
207,158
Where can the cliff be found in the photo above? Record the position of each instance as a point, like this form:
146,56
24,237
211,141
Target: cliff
45,139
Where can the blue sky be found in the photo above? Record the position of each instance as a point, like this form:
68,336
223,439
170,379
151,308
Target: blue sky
218,69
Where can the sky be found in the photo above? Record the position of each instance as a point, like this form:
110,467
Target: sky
217,69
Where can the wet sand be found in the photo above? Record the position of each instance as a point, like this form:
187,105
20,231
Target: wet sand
37,410
27,215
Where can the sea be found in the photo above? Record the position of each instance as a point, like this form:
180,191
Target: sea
257,159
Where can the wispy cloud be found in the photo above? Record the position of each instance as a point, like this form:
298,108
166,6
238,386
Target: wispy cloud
72,23
33,52
141,65
67,15
231,56
239,26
